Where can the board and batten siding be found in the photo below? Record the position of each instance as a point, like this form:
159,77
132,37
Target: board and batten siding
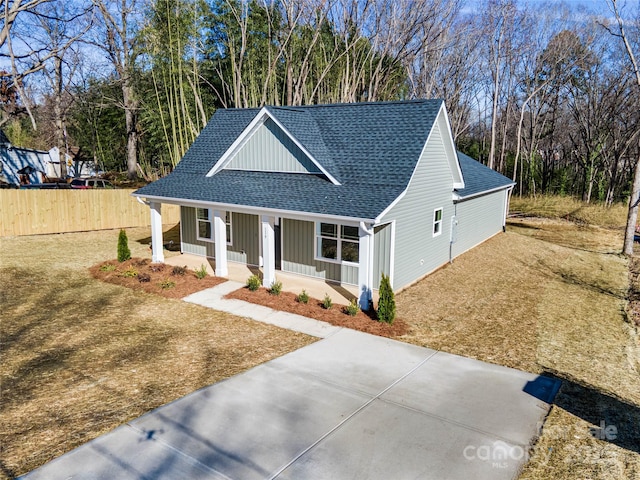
270,149
298,241
417,251
479,218
244,231
189,235
381,252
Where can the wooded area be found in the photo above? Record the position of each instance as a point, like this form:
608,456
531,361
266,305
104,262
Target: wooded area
547,94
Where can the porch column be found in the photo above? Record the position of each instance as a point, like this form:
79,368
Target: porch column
268,250
157,255
365,267
220,245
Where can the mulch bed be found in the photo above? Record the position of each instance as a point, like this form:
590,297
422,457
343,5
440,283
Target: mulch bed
141,274
336,315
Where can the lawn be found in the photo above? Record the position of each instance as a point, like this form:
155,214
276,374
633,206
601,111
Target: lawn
80,357
548,296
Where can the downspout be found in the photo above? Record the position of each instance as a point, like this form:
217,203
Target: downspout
453,228
506,208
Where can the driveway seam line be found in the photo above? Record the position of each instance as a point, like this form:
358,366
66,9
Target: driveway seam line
345,420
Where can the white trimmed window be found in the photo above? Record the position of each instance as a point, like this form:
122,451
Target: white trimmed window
437,222
204,225
337,243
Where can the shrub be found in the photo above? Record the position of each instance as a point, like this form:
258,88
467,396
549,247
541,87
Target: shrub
165,284
253,283
130,272
276,288
141,262
201,272
352,308
158,267
124,253
327,303
387,302
144,277
177,270
303,297
107,267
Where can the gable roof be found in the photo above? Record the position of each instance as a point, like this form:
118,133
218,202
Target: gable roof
479,179
366,152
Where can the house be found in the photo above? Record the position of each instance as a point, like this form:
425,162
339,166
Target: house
22,166
339,192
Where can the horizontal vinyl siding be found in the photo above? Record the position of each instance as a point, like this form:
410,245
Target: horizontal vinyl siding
190,242
381,252
417,252
478,219
298,238
270,149
246,243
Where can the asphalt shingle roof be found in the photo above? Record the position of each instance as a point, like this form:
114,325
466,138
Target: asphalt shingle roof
370,148
479,178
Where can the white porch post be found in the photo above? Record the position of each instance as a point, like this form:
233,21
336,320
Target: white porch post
268,250
220,245
365,267
157,255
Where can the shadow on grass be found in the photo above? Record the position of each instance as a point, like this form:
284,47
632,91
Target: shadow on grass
614,420
170,239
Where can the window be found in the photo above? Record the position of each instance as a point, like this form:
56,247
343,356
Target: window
205,224
337,243
204,219
437,222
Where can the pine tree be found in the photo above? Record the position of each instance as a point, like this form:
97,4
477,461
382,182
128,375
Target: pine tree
387,301
123,247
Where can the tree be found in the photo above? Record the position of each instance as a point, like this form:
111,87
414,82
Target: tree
119,38
634,198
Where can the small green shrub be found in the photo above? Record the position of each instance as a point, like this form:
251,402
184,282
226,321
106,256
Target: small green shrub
165,284
107,267
352,308
177,270
124,253
201,272
144,278
253,283
276,288
303,297
327,303
130,272
386,302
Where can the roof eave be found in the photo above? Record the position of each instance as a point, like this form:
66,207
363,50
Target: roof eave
461,198
252,209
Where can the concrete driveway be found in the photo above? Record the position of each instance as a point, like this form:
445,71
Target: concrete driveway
351,406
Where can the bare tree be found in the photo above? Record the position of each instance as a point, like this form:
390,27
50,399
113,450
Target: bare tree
119,38
632,216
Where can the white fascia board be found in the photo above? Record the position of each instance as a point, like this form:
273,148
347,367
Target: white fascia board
458,198
246,134
308,216
456,171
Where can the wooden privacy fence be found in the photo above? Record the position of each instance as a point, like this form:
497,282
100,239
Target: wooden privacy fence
30,212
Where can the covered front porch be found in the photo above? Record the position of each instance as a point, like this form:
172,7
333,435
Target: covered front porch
277,248
315,288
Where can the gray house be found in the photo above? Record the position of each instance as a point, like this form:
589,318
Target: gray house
340,192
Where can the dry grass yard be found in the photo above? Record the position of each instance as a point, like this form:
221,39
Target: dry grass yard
80,357
549,296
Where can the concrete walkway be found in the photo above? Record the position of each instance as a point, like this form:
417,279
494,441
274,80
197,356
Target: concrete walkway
350,406
213,298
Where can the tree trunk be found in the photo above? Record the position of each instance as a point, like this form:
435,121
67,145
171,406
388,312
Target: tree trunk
632,216
131,114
